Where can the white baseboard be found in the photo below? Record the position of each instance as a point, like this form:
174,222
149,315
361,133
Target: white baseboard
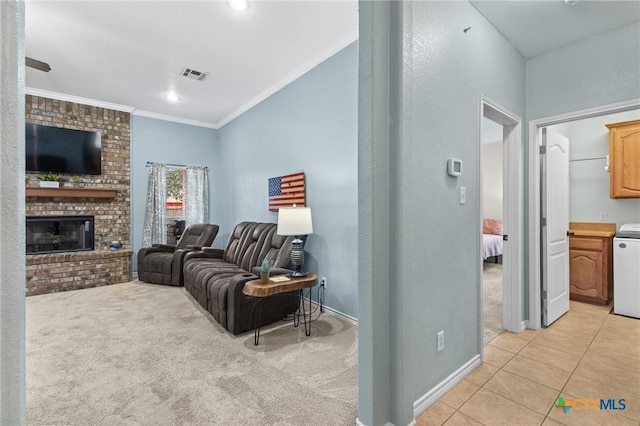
331,311
359,423
445,386
524,325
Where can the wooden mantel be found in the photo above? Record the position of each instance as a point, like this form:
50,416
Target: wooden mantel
71,192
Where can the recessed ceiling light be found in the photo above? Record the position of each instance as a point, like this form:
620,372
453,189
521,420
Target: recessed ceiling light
172,97
570,2
239,5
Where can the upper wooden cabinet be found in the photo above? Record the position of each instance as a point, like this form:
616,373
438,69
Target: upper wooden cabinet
624,159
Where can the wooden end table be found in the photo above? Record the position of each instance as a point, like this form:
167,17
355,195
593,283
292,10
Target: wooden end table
260,290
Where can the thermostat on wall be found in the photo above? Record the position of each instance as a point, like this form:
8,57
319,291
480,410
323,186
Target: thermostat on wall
454,166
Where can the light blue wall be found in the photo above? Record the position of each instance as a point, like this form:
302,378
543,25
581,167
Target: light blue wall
434,247
311,126
597,71
162,141
588,179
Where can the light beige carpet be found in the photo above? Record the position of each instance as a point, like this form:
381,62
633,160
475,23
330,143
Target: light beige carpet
491,301
144,354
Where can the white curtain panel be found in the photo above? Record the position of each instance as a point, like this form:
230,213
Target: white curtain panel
155,216
197,195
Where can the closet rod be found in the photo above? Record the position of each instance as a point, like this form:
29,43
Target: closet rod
588,159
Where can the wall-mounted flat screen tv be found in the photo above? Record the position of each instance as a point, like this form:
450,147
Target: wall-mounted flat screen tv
58,150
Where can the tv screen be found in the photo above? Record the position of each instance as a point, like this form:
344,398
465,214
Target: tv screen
58,150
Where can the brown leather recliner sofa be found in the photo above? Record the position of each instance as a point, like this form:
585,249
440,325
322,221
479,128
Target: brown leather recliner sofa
215,277
162,263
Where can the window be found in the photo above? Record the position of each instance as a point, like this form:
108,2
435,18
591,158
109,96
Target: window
176,194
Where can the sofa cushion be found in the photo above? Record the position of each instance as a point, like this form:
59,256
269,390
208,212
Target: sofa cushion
253,246
238,241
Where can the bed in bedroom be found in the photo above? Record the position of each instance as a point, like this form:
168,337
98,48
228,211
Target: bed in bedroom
492,240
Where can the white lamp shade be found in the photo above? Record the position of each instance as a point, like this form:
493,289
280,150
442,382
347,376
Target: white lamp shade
294,221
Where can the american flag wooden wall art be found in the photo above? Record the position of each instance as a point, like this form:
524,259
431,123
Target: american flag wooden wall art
285,191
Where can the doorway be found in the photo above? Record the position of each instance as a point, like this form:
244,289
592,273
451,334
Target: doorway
512,209
492,164
536,182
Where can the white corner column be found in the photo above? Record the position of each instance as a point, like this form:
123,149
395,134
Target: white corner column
12,215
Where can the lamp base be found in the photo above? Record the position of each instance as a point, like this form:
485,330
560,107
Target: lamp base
297,258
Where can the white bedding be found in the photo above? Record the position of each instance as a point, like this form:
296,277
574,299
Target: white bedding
492,245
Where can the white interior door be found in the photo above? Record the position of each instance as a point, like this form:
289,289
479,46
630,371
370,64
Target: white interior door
555,212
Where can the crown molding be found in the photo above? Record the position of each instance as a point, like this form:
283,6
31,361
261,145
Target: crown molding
77,99
157,116
320,58
117,107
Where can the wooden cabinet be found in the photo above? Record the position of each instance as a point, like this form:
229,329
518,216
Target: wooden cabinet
591,269
624,159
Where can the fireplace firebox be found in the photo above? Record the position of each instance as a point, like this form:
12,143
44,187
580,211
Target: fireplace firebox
54,234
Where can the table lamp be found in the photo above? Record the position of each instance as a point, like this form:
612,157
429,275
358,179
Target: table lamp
295,221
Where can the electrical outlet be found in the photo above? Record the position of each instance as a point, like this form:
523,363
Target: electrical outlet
323,282
463,195
603,216
440,340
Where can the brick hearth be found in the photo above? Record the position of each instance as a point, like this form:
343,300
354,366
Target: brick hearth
47,273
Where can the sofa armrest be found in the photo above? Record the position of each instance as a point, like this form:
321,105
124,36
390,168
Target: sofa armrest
273,271
213,252
163,247
238,304
177,264
205,253
193,247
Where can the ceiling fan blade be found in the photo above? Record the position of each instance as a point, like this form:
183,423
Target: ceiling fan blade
39,65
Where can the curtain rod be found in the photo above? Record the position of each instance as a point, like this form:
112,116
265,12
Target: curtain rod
174,165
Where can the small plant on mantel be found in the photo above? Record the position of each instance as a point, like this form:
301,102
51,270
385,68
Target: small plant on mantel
49,180
49,177
77,180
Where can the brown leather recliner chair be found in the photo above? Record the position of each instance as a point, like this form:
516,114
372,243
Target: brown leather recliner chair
162,263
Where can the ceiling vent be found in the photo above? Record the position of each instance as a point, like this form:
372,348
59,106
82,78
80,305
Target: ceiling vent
193,74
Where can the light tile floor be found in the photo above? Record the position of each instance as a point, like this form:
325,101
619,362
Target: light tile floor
587,354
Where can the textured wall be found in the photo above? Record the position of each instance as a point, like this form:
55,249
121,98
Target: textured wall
374,141
597,71
12,311
112,216
434,251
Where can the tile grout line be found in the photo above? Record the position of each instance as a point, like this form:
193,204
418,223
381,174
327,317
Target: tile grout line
571,372
544,418
493,375
575,368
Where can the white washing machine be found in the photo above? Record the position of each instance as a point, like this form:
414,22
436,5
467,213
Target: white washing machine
626,271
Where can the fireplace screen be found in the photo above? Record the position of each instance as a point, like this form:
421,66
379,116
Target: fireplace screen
52,234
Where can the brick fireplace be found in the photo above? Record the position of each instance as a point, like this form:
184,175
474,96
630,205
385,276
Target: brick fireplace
104,197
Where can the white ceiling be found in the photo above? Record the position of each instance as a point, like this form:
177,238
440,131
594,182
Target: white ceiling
130,53
537,27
